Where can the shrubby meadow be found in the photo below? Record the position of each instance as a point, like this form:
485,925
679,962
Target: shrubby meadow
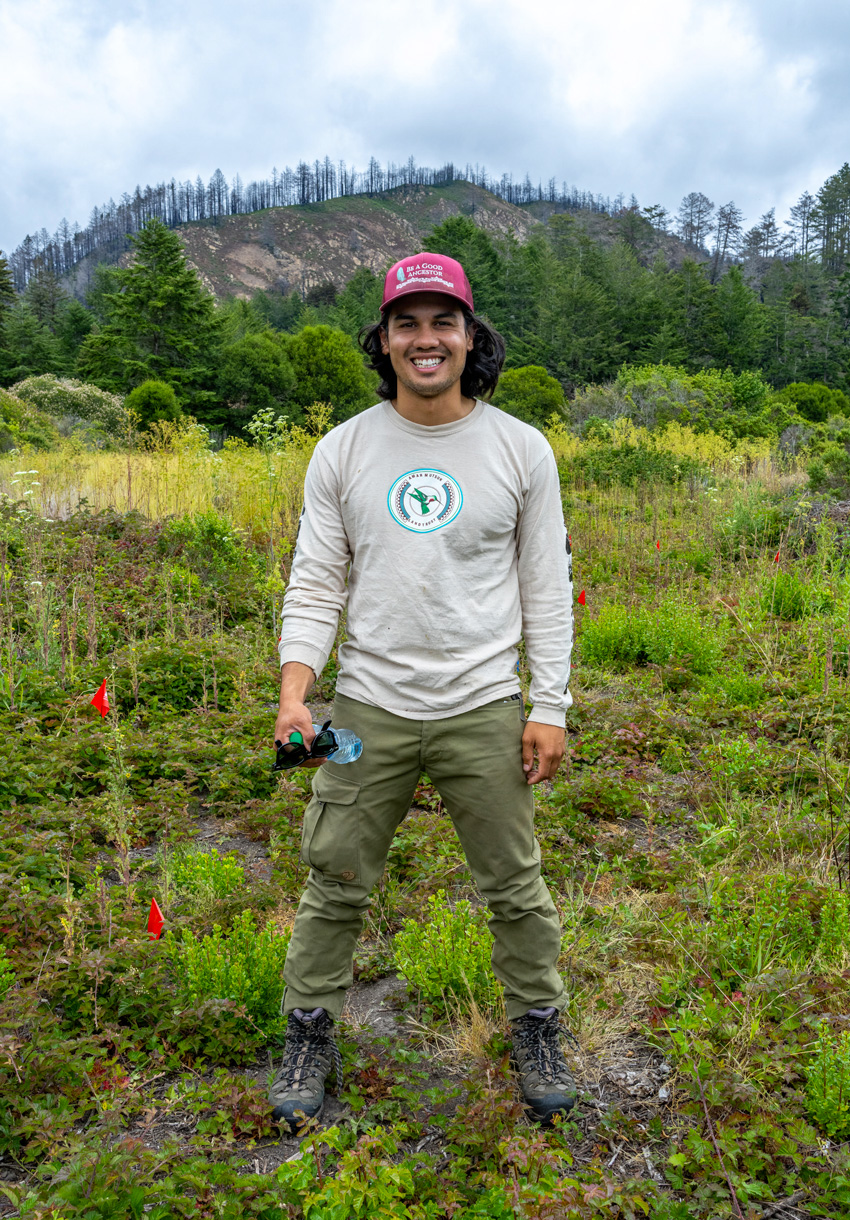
696,839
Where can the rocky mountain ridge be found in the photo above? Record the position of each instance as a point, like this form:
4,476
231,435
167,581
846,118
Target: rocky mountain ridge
301,247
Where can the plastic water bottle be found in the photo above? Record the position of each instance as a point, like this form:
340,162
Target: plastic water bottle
348,746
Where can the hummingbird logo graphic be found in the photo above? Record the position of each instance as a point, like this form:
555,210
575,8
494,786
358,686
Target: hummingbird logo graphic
422,500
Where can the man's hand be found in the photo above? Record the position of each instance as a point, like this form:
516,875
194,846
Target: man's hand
548,743
293,716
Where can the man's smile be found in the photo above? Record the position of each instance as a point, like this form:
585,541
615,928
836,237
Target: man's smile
427,362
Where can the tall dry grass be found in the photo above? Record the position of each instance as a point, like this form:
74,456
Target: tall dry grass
170,472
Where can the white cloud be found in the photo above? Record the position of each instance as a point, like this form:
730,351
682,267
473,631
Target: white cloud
743,100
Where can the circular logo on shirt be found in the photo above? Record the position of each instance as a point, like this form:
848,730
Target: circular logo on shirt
424,500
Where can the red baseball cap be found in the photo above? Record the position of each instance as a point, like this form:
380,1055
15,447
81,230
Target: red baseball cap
427,273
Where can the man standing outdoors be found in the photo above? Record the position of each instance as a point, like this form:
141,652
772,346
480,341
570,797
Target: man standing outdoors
437,519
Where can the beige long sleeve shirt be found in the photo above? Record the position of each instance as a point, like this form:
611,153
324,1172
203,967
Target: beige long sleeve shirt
447,544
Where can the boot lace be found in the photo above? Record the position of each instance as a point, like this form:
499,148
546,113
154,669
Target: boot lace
304,1040
541,1038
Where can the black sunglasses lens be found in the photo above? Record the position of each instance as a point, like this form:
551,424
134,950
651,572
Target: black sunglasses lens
289,754
324,743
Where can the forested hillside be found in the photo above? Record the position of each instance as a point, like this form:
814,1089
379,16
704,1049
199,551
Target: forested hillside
581,288
174,203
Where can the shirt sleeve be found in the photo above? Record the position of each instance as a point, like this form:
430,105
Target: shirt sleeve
546,594
316,593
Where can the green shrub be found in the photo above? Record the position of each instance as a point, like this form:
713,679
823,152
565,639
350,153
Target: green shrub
328,368
815,401
447,957
64,397
209,550
747,765
152,401
530,394
828,1084
670,633
7,974
733,404
830,470
23,424
737,687
176,675
245,965
255,373
753,524
606,464
195,871
834,939
599,792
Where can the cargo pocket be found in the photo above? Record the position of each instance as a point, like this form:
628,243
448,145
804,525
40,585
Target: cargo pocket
330,832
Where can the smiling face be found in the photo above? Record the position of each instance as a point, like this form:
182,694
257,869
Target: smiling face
427,342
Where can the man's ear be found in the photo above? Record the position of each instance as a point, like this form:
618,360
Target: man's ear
470,336
385,343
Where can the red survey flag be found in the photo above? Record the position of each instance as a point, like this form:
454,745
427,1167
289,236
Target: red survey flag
156,921
658,546
100,699
581,598
776,557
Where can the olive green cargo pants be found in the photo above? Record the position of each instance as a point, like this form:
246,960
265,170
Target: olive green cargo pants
475,762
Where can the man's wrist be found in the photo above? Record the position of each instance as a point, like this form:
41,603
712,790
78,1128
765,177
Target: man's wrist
295,681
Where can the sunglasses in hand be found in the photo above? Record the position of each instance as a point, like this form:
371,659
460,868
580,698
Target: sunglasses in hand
294,752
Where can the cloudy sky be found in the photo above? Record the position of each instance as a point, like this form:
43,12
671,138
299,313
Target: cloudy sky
742,99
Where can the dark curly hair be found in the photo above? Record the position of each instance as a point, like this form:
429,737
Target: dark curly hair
483,364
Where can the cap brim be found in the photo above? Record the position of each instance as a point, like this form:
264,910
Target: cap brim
409,290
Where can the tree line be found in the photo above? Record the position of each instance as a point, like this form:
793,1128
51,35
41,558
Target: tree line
573,308
174,203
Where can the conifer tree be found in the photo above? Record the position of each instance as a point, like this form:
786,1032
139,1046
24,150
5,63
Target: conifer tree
7,288
29,348
45,296
741,323
7,300
161,324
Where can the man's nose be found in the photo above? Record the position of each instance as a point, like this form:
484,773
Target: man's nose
428,337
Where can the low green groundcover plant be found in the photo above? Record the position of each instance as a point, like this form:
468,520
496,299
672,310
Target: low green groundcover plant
788,597
244,965
742,763
447,958
828,1084
750,936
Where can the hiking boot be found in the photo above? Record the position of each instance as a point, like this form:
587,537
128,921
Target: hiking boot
547,1084
298,1089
